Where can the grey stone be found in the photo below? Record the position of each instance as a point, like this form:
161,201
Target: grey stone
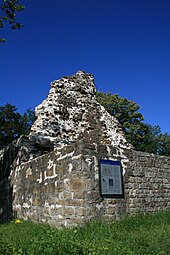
41,142
52,175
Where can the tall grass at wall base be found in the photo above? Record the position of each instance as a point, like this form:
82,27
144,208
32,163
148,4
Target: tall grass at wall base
139,235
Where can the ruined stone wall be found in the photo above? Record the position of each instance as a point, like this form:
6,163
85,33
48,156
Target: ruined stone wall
147,182
62,187
52,175
71,111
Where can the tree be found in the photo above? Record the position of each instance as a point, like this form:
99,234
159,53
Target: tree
13,124
149,140
28,118
8,10
126,111
165,144
142,136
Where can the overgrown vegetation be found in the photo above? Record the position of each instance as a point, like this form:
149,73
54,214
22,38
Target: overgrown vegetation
140,235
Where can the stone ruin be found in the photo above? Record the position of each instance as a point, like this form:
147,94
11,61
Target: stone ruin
71,112
52,175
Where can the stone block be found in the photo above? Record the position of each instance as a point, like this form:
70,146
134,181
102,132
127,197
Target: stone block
65,195
79,195
49,172
51,187
79,211
35,202
77,185
59,169
110,210
68,211
59,186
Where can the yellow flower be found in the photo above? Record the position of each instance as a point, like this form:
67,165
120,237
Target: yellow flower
18,221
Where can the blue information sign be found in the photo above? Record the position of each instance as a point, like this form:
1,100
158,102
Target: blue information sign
111,179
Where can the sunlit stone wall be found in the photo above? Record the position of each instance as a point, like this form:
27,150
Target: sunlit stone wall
52,175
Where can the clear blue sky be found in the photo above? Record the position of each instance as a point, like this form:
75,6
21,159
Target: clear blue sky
124,43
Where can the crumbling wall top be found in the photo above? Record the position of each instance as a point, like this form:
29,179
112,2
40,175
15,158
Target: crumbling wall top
70,111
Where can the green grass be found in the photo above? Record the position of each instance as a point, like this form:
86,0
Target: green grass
140,235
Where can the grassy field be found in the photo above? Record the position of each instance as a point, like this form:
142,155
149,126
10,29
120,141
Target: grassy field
141,235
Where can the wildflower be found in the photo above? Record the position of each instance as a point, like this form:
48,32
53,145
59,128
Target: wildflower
18,221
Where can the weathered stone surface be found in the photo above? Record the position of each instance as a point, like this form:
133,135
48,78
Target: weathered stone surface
146,182
41,143
52,175
71,112
69,196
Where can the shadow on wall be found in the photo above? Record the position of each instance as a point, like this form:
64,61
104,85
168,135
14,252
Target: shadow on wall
6,213
7,156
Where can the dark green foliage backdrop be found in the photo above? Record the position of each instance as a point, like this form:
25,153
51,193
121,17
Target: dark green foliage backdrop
142,136
13,124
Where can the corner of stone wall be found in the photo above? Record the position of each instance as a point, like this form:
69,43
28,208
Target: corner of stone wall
62,187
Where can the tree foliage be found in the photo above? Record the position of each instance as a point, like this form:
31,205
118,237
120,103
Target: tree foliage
8,10
13,124
165,144
142,136
126,111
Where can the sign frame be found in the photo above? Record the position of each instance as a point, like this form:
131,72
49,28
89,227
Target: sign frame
111,179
